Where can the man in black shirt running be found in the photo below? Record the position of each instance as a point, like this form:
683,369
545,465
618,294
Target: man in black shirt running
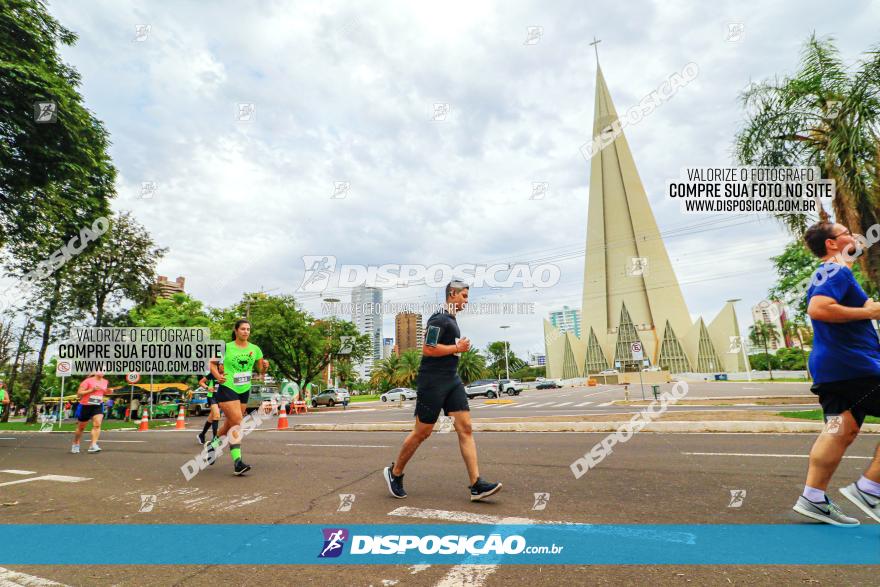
440,388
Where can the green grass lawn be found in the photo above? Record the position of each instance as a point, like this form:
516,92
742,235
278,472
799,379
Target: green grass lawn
70,426
817,415
364,398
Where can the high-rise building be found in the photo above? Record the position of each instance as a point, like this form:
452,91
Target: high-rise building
772,313
630,291
409,332
387,347
567,320
537,359
366,303
165,288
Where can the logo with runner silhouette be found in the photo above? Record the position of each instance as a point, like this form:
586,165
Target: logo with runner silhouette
334,541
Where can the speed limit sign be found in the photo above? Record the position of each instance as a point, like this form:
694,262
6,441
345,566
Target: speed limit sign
133,377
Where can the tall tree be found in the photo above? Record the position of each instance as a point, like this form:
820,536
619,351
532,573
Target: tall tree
121,265
53,151
298,346
826,115
471,365
408,369
21,349
764,334
178,311
384,374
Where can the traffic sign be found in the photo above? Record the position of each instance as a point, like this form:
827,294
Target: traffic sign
636,349
133,377
63,368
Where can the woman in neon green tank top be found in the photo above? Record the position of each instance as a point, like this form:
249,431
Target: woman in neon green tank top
241,359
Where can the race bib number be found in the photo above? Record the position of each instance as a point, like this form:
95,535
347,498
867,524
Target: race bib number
242,378
96,400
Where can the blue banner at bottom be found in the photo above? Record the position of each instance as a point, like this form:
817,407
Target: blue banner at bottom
392,544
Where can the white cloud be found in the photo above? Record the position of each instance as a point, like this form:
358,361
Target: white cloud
343,95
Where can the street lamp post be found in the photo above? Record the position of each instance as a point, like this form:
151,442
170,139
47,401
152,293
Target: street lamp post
506,353
330,362
742,340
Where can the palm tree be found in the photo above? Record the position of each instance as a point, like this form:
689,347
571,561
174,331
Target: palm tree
763,334
826,116
384,373
408,368
471,365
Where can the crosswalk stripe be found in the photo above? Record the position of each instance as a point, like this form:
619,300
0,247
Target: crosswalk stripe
543,405
523,405
563,404
583,404
606,404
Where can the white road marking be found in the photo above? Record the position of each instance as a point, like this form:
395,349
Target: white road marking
544,405
563,404
606,404
747,454
58,478
467,517
583,404
127,441
10,578
523,405
18,472
345,445
467,576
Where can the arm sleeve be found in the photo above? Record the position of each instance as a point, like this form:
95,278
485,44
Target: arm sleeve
258,354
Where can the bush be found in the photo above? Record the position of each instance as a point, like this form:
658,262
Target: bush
759,362
792,359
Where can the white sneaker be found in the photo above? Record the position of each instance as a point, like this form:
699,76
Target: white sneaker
74,449
94,448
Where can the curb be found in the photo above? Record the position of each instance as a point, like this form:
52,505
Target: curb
771,427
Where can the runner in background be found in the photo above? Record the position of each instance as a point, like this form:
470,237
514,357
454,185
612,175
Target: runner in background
91,408
213,421
4,398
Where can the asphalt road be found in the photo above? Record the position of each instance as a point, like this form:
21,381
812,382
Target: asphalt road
577,401
299,476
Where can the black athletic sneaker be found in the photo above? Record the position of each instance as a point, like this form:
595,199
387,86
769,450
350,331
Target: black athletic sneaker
240,468
201,438
482,489
394,482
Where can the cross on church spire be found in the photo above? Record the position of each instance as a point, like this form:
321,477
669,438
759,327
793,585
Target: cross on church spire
595,45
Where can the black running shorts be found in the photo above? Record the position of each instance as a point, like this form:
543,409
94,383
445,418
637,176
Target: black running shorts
859,396
224,394
87,412
445,394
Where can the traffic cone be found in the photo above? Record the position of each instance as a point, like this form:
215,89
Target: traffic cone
145,422
181,419
282,418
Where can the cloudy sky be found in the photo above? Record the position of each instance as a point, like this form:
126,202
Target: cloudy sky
342,93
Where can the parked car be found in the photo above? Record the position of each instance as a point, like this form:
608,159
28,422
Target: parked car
398,394
198,404
511,386
165,405
548,384
487,387
264,396
330,397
